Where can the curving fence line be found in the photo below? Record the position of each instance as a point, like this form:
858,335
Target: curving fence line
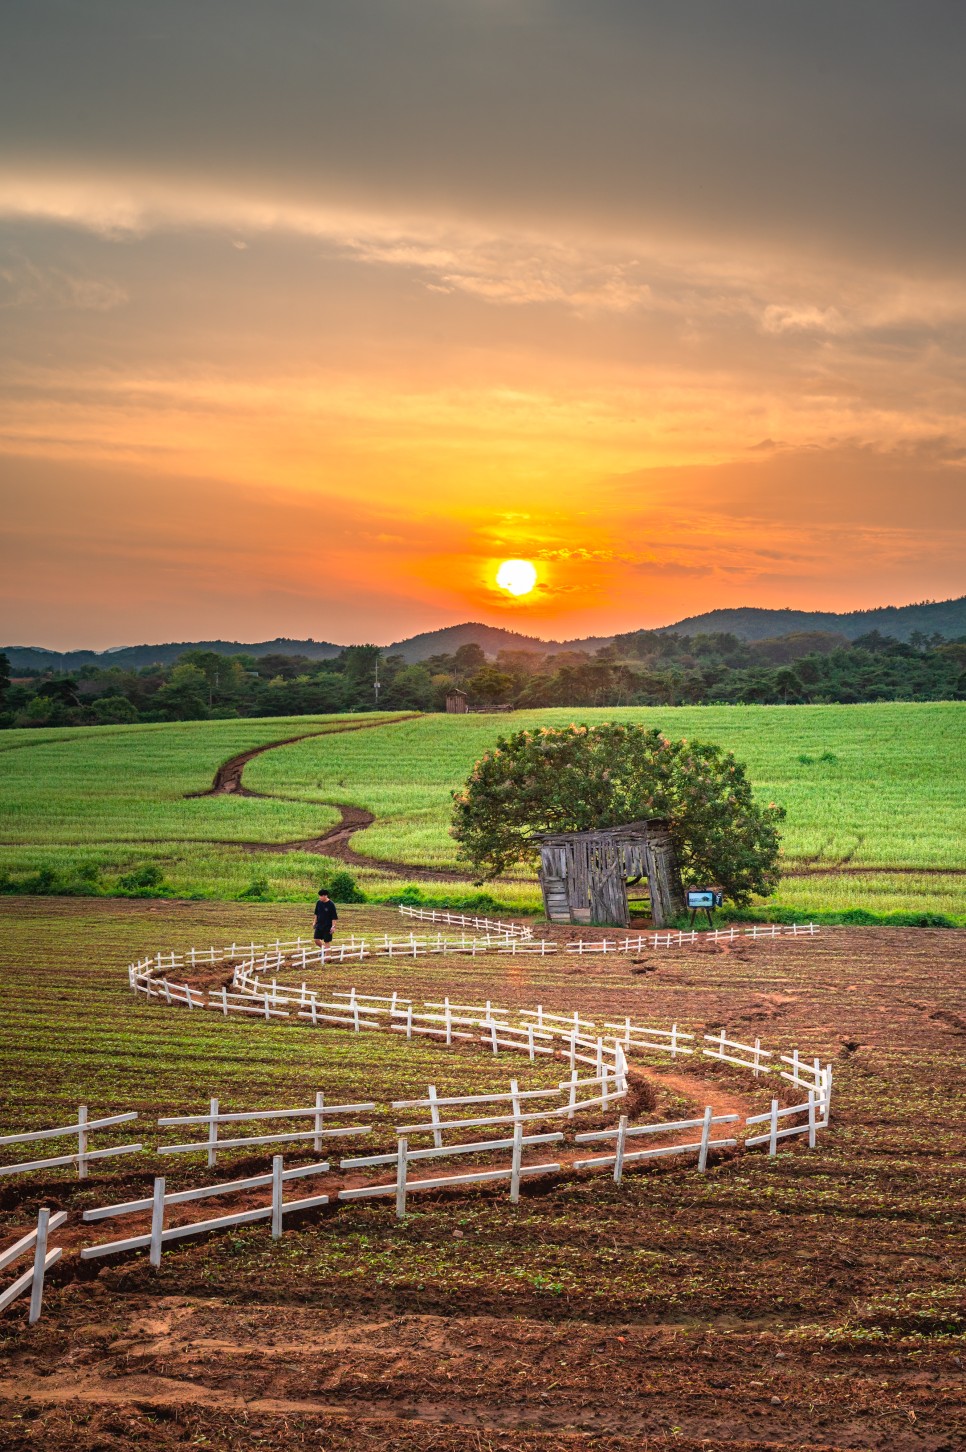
578,1041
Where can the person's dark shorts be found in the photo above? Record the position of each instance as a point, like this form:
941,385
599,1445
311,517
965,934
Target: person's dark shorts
322,937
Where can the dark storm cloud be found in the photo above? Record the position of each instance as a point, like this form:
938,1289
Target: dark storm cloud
829,126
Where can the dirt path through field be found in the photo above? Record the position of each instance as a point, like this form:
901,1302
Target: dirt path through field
334,842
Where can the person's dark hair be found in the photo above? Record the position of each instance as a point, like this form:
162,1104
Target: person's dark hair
323,892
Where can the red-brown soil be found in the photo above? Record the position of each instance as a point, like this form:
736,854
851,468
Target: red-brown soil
808,1304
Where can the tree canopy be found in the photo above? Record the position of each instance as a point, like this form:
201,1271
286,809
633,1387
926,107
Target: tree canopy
583,777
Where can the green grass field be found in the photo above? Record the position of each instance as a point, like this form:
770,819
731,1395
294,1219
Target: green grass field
869,787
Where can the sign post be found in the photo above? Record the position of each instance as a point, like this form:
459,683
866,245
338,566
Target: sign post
704,899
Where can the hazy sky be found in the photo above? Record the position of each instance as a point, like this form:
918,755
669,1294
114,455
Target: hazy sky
312,312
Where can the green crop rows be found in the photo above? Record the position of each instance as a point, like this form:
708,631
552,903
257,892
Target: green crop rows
859,1234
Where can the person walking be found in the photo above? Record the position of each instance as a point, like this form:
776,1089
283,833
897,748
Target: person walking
325,916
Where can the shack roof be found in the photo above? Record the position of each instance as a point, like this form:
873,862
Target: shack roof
625,832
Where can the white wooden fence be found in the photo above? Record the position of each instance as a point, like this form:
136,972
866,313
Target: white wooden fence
610,1088
83,1155
813,1108
434,915
403,1185
624,1131
211,1143
36,1241
159,1203
497,936
672,1041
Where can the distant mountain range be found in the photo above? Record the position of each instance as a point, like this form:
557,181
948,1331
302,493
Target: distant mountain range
943,617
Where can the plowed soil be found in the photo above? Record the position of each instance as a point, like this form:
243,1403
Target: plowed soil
813,1301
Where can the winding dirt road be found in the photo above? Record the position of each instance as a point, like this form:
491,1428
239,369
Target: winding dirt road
335,842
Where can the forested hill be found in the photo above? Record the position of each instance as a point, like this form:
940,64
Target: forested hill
749,623
136,657
900,622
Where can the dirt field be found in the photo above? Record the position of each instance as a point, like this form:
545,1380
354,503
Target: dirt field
812,1301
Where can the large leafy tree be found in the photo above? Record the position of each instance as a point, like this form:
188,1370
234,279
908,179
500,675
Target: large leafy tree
583,777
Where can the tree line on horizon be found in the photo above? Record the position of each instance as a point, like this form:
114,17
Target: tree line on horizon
642,668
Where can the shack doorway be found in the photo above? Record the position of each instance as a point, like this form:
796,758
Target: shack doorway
584,875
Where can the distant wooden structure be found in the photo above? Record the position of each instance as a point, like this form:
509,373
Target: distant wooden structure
457,701
584,875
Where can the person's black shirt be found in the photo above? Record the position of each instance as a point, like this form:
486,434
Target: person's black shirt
325,915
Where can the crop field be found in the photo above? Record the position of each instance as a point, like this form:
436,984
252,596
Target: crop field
811,1301
875,795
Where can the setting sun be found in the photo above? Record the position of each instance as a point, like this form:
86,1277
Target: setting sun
518,577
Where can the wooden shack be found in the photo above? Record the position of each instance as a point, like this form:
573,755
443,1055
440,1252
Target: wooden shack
584,876
457,701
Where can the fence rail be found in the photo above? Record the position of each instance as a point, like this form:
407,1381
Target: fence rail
159,1203
623,1132
212,1144
36,1241
83,1155
498,936
403,1185
811,1108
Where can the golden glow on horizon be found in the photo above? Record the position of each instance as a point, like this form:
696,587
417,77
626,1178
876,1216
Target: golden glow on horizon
517,577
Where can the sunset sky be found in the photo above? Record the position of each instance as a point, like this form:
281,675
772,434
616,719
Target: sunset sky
312,313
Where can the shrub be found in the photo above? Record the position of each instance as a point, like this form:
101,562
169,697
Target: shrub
144,881
258,890
342,887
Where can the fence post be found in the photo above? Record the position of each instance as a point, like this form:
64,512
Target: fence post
705,1138
40,1265
619,1157
573,1094
811,1118
620,1067
402,1150
82,1142
757,1069
449,1024
277,1184
157,1221
319,1106
828,1093
434,1115
213,1134
530,1042
515,1162
515,1097
773,1129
